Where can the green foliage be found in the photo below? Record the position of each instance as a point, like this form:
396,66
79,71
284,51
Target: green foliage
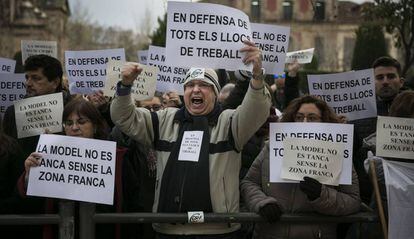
158,37
370,44
398,19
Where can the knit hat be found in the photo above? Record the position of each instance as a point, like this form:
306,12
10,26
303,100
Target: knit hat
207,75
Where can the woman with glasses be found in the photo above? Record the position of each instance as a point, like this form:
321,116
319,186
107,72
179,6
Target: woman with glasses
270,200
82,119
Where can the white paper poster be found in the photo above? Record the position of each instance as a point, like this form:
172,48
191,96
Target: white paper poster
351,94
86,70
12,88
317,159
74,168
36,114
273,41
302,56
395,137
142,56
206,35
143,87
7,65
341,134
31,47
170,78
190,146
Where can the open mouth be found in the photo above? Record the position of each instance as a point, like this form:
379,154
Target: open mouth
197,100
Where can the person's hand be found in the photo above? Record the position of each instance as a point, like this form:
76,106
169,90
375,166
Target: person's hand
293,68
253,55
271,212
97,99
311,187
32,161
342,119
129,72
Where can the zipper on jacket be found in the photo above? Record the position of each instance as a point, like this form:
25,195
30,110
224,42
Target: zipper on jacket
180,199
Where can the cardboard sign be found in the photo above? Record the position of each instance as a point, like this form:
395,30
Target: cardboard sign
86,70
7,65
302,56
30,48
317,159
190,146
350,93
395,137
206,35
340,134
12,88
74,168
273,41
143,87
36,114
142,57
170,78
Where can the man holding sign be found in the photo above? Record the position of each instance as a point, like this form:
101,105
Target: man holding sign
197,146
270,199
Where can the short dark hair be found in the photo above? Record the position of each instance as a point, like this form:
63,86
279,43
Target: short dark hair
387,61
327,114
85,108
403,105
51,67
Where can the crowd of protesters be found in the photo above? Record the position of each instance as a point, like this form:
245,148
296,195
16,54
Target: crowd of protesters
232,171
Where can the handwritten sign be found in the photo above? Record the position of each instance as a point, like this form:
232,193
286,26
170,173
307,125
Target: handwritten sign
206,35
86,70
350,93
36,114
395,137
273,41
74,168
340,134
31,47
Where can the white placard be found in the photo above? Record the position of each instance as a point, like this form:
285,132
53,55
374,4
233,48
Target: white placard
143,87
351,94
395,137
12,88
206,35
142,56
317,159
170,78
190,146
7,65
31,47
74,168
36,114
273,41
86,70
335,133
302,56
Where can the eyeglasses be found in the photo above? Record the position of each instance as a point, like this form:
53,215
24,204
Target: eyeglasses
79,122
153,107
201,84
309,118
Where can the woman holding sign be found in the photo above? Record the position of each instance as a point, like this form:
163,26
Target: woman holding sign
82,119
270,200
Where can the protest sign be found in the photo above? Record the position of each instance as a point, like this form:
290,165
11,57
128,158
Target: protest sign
351,94
7,65
36,114
143,88
142,57
170,78
74,168
86,70
30,48
395,137
302,56
339,134
206,35
317,159
12,88
273,41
